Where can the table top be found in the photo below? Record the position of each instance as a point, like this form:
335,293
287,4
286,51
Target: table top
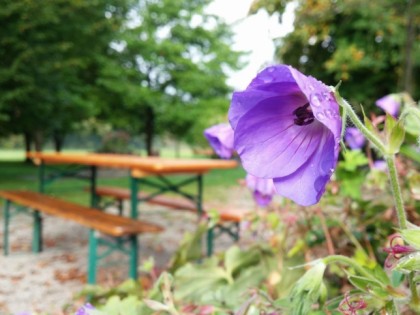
155,165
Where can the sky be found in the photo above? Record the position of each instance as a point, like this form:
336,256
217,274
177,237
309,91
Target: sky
253,34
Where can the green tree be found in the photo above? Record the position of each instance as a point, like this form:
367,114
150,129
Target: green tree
372,46
50,58
171,77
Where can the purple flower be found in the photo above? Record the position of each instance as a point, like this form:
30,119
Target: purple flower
220,138
380,165
390,103
287,127
262,188
354,138
85,309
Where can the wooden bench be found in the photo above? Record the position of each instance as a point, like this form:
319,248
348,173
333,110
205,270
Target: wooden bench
229,219
121,231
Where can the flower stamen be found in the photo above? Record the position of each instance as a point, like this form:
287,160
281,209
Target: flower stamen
304,115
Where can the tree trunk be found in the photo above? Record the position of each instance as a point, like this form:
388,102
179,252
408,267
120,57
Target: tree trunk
38,141
408,66
149,130
58,139
28,144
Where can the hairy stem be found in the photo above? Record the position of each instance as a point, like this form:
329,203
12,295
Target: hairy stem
358,123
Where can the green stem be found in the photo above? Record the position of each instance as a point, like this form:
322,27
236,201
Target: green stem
413,288
396,191
348,261
358,123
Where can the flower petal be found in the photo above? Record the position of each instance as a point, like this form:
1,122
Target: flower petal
270,144
220,138
307,184
322,101
271,82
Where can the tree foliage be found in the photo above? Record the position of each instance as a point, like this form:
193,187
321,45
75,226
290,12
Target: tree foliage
172,70
149,67
372,46
50,55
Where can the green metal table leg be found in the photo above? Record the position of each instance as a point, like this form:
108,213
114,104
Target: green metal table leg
210,240
6,212
133,257
93,184
37,233
200,195
133,199
93,246
41,177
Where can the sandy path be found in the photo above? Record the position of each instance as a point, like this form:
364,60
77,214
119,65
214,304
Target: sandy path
45,282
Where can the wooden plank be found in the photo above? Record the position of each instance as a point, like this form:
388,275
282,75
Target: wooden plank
104,222
154,165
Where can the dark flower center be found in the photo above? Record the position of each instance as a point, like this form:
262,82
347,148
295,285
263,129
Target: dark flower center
304,115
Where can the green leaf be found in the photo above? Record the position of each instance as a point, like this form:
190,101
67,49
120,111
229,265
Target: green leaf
411,237
369,125
363,283
396,278
396,138
390,123
353,159
409,263
235,259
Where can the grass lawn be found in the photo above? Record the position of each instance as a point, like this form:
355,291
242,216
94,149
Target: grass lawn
15,174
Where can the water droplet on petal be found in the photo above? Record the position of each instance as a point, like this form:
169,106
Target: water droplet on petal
316,100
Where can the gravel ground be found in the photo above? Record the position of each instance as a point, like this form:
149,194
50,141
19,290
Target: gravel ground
45,282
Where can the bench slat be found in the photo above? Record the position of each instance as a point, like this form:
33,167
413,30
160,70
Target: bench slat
226,214
111,224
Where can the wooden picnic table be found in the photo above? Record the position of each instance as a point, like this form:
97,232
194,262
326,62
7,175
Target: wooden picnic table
140,168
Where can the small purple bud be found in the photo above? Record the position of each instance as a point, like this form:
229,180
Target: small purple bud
380,165
85,309
263,189
354,138
220,138
390,104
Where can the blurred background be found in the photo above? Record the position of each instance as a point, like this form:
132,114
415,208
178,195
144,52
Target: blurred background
147,76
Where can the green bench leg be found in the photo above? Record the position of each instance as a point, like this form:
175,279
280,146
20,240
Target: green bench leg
133,257
210,240
120,207
37,233
6,212
233,233
93,246
236,234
